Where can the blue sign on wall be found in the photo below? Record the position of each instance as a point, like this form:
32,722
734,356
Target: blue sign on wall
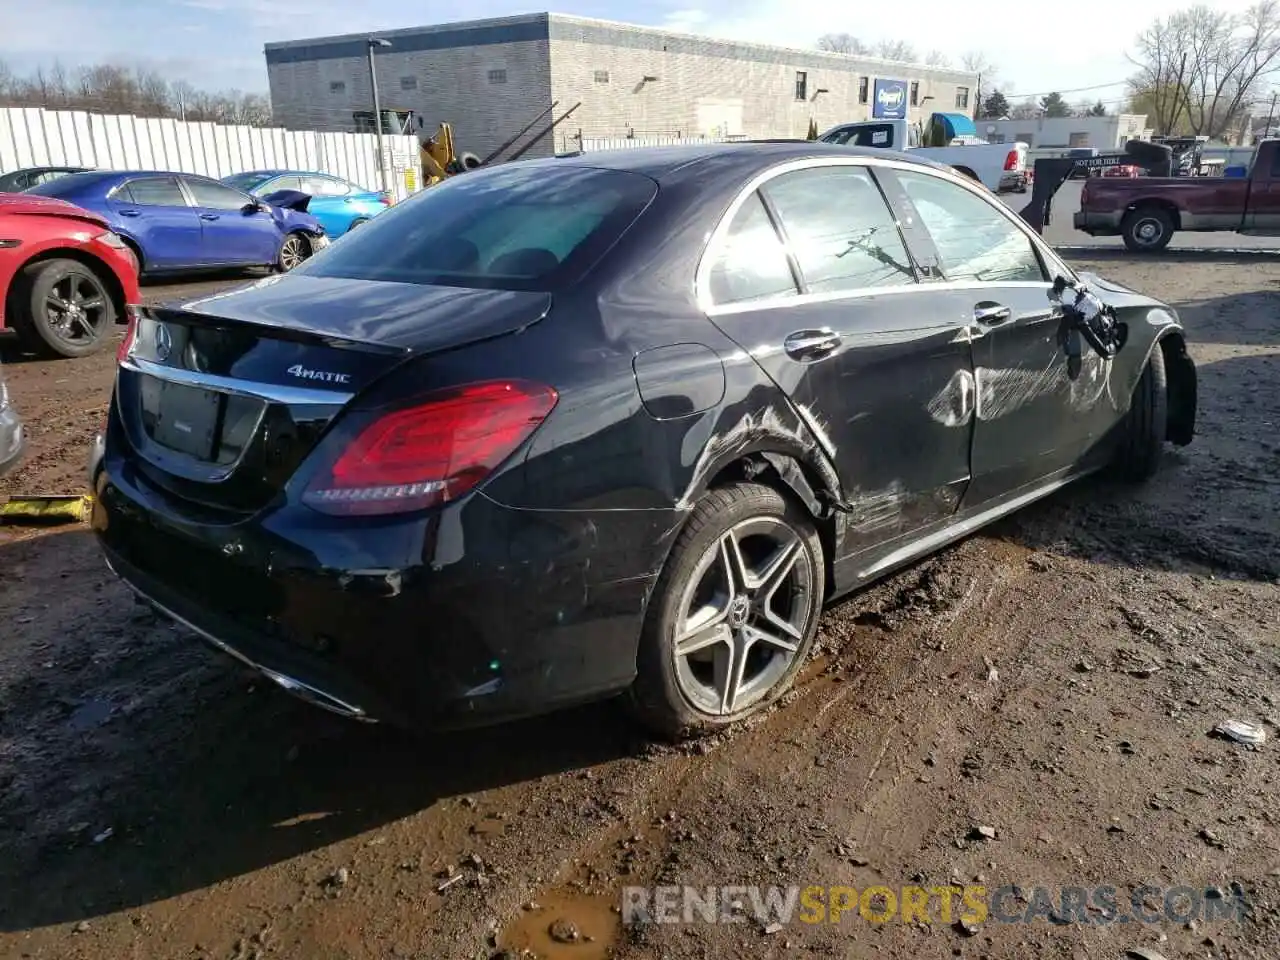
890,100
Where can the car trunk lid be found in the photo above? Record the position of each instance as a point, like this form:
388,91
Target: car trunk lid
222,398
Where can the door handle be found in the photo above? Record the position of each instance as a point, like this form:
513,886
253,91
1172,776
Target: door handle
989,314
130,213
806,345
208,216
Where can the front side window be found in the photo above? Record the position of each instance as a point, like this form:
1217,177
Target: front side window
974,240
154,192
503,228
751,263
324,187
840,229
215,196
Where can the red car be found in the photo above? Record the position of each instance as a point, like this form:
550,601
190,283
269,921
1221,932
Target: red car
65,278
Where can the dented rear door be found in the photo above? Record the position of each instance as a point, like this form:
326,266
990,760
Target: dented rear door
880,373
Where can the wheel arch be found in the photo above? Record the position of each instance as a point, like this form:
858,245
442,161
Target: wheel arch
100,269
1180,371
796,476
1155,202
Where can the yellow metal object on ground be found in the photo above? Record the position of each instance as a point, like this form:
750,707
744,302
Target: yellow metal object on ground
47,509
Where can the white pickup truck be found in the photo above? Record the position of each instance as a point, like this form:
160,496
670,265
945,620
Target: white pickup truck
947,138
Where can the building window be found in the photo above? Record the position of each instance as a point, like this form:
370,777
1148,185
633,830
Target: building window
337,86
915,93
962,97
863,84
1078,139
497,76
408,83
602,76
802,85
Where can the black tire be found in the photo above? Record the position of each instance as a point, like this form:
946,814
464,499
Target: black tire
76,329
357,223
469,161
659,697
1147,229
1147,423
295,241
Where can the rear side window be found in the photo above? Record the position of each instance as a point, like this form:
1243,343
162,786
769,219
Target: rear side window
840,229
324,187
519,228
152,192
751,263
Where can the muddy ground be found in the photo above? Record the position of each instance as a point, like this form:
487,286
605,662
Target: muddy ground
1054,678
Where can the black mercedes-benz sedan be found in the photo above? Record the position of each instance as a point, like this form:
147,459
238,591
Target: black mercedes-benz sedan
559,429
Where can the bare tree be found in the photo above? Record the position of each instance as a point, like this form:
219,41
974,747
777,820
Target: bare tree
936,58
843,43
975,61
1201,69
1027,109
110,88
898,50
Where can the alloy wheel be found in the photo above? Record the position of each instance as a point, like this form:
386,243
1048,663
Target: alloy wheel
75,309
294,251
743,616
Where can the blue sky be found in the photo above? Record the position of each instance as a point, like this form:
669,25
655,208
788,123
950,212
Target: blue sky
218,43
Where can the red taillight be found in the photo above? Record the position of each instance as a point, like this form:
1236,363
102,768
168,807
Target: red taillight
130,332
1011,160
384,199
434,452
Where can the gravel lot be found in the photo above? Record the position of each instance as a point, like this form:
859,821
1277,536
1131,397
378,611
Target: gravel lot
1054,678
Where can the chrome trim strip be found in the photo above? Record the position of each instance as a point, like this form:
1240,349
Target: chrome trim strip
701,282
304,691
243,388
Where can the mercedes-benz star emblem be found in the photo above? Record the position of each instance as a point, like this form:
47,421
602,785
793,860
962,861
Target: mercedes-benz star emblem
164,342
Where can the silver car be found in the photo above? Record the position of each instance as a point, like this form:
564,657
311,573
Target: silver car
11,440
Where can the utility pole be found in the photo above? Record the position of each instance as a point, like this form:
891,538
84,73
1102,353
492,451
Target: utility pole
977,99
375,42
1270,115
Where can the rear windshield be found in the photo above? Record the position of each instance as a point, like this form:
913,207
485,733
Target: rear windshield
517,227
68,183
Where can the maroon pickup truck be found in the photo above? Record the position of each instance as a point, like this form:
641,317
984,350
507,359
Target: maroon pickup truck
1146,211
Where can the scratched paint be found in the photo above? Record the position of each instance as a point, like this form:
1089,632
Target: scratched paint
952,406
819,427
871,510
764,422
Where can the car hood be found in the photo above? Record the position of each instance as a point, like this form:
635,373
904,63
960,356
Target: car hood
20,204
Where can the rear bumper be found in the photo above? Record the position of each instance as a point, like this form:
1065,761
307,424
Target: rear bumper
1097,223
395,621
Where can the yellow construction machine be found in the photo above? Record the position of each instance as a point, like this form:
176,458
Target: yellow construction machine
441,160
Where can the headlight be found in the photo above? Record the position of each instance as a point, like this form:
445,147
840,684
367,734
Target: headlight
110,239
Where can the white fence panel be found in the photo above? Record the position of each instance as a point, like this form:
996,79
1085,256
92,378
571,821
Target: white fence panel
31,137
591,144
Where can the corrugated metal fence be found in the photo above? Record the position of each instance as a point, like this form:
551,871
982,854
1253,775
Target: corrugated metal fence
31,137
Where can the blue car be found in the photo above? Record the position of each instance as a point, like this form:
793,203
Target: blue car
181,222
338,204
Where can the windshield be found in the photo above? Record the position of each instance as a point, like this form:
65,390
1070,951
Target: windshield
247,181
513,227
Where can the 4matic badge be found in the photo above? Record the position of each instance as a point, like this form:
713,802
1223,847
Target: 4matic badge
325,376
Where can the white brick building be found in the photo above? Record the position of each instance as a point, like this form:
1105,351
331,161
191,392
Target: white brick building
489,78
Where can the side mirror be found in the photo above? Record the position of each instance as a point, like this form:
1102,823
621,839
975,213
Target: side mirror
253,206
